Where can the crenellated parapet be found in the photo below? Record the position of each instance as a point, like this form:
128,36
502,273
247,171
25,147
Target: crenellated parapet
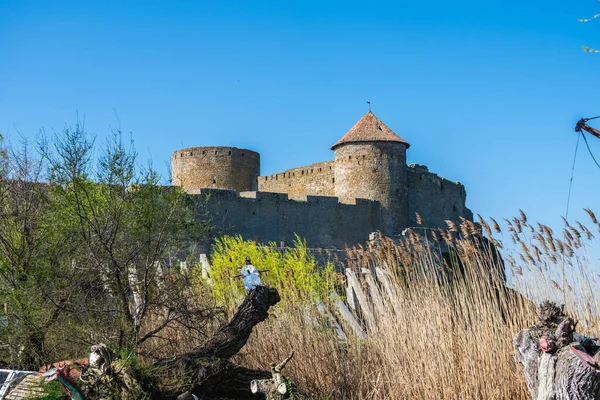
271,217
215,167
315,179
434,198
367,187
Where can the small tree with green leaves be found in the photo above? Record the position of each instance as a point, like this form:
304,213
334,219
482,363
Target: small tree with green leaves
293,271
88,242
132,232
36,272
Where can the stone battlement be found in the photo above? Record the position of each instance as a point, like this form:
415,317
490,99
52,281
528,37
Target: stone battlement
272,217
367,187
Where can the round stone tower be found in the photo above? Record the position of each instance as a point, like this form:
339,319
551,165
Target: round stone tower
215,167
370,163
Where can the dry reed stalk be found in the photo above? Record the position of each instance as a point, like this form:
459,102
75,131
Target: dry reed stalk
445,325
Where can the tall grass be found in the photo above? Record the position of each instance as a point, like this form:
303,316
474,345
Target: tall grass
445,326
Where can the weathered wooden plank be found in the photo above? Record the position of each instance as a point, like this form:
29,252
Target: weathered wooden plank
347,315
383,277
205,264
338,329
374,292
366,312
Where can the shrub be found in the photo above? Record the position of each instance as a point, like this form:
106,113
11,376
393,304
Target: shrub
294,272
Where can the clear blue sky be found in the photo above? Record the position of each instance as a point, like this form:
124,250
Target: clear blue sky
486,93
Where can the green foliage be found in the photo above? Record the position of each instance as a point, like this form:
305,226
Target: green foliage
294,272
87,237
3,158
53,390
35,264
585,20
291,389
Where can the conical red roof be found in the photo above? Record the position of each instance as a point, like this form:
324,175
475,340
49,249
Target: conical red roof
370,129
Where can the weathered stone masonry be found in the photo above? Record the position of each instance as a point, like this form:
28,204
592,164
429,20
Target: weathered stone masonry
273,217
215,167
367,187
315,180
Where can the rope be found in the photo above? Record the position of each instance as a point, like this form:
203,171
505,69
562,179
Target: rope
589,150
578,129
573,173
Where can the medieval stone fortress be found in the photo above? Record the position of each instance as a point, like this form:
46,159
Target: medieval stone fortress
366,188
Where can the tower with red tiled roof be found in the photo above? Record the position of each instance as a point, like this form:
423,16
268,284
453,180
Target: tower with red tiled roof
370,163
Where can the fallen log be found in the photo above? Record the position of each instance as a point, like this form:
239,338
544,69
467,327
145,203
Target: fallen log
206,372
558,363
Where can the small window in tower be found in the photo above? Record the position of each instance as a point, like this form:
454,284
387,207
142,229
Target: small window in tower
442,185
311,170
203,152
266,178
363,156
293,174
349,157
380,128
181,155
191,154
242,154
302,172
332,180
214,181
319,169
330,167
229,152
216,152
454,208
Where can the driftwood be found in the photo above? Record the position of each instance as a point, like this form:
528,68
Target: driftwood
207,373
203,374
558,363
278,387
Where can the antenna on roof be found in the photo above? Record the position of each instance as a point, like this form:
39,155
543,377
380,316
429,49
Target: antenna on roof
369,103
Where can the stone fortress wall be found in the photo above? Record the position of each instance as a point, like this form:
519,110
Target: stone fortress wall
315,180
273,217
367,187
434,198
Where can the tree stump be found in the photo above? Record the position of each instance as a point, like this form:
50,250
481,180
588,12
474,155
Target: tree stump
558,363
277,388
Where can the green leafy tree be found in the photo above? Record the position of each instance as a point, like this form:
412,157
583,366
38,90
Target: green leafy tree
132,231
89,242
35,270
